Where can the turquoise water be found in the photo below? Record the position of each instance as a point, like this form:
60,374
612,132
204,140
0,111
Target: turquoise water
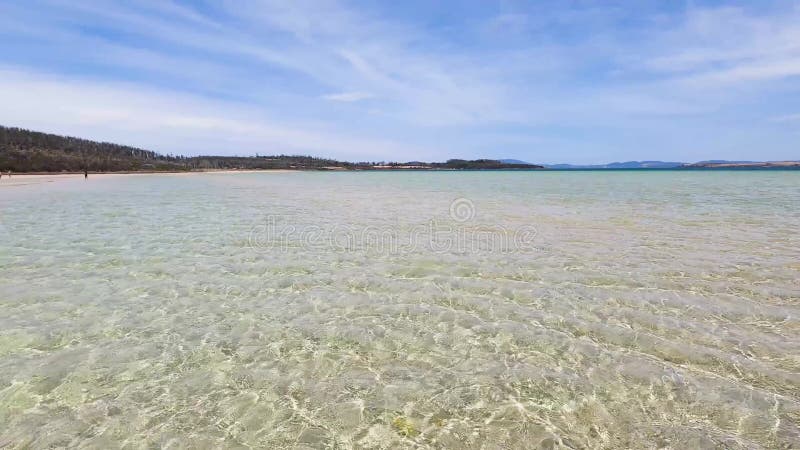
402,310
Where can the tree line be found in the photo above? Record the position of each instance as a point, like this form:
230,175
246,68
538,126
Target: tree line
24,150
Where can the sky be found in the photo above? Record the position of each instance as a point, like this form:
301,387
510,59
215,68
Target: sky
558,81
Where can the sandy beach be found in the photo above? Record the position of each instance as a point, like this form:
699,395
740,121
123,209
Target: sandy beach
27,179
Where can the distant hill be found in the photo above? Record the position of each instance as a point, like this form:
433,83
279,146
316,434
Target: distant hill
32,151
719,164
515,161
485,164
644,165
722,161
711,164
621,165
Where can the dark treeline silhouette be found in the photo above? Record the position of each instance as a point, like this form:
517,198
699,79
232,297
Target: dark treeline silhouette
267,162
31,151
480,164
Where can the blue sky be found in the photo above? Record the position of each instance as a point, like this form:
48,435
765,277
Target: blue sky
547,81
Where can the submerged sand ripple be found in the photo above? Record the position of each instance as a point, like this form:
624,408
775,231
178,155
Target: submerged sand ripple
652,310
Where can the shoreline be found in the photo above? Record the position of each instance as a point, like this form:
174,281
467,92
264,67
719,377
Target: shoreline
321,169
18,179
31,178
146,172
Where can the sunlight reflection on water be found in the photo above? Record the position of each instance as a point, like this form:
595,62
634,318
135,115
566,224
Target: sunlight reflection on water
651,310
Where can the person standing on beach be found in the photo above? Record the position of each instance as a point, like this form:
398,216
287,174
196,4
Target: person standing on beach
85,174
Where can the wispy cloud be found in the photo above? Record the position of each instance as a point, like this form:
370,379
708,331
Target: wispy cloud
353,96
732,45
164,121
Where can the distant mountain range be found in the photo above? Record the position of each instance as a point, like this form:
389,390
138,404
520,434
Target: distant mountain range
711,164
621,165
613,165
719,164
515,161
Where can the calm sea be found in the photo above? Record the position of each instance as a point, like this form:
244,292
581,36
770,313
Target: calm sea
404,310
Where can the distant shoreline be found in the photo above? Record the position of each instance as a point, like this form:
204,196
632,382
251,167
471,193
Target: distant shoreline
677,169
397,169
37,153
144,172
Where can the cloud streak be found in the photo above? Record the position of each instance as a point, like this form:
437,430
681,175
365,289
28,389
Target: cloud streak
353,96
165,121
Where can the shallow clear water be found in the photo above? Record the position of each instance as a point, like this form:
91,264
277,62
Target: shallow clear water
641,310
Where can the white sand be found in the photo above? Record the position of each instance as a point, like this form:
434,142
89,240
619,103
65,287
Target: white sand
37,179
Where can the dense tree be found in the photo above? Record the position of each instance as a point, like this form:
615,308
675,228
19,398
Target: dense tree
30,151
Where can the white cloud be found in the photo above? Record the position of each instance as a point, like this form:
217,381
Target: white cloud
729,45
164,121
352,96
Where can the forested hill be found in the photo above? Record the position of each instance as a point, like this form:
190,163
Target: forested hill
31,151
